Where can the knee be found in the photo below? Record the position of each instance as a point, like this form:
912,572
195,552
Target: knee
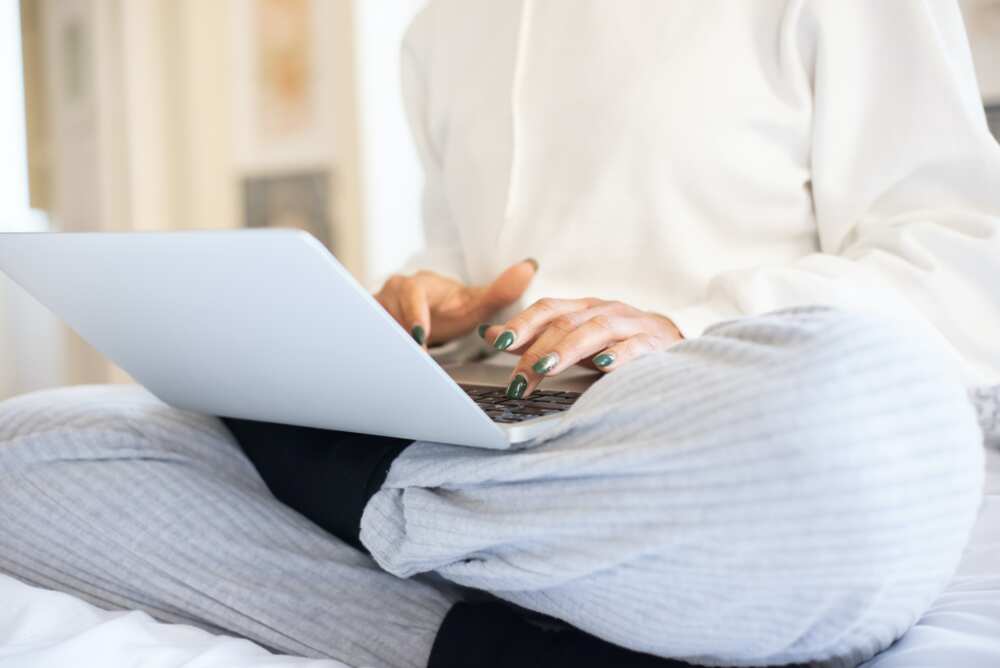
859,376
873,438
829,342
807,380
79,407
842,391
101,422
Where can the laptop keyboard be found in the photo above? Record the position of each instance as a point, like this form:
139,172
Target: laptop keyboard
500,408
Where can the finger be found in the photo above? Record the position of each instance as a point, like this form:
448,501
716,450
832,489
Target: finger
457,309
506,289
525,367
584,342
632,348
416,314
388,297
439,289
522,329
555,351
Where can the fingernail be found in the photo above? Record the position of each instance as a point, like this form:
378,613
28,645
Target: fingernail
604,360
533,262
482,331
546,364
505,340
418,334
517,387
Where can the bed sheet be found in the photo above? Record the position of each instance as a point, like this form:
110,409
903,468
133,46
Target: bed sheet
962,628
45,629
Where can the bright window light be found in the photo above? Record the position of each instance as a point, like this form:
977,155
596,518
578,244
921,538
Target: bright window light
14,202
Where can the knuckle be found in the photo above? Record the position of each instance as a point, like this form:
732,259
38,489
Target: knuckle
564,323
516,324
646,343
544,304
603,322
630,347
642,343
529,358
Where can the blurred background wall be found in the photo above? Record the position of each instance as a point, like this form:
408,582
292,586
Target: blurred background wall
201,114
194,114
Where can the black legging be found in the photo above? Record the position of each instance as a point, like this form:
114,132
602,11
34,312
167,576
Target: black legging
329,476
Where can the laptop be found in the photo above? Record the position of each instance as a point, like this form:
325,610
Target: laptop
267,325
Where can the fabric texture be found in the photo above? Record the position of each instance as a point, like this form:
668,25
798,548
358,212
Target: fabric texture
789,488
111,496
713,159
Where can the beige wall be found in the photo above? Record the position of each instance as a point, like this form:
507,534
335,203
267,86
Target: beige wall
150,144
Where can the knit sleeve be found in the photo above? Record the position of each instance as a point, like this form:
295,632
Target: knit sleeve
905,182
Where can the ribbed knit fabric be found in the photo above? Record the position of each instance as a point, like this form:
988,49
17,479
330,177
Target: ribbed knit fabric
788,488
108,494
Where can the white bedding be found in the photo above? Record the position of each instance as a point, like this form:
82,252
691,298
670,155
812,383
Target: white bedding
43,629
962,628
47,629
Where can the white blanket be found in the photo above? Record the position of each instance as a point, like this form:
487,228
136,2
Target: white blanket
42,629
962,628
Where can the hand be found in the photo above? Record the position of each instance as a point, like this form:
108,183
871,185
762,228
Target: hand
555,334
435,309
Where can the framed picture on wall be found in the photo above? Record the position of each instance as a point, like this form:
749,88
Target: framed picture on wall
296,200
282,83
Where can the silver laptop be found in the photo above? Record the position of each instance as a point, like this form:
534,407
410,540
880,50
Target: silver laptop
267,325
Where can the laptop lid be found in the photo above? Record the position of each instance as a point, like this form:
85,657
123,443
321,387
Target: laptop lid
254,324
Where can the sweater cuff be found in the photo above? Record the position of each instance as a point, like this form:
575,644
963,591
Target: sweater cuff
692,321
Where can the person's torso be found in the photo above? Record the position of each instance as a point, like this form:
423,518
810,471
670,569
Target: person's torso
634,149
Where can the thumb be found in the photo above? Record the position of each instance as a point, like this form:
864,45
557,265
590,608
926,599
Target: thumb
507,288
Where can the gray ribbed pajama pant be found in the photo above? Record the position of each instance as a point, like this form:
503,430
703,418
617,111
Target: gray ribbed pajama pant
785,488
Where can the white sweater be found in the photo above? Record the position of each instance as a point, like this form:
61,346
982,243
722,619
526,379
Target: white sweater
713,159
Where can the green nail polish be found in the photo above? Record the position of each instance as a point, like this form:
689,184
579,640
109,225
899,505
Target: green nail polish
604,360
517,387
546,364
504,341
418,334
482,331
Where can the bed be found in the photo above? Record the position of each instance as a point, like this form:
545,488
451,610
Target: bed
42,629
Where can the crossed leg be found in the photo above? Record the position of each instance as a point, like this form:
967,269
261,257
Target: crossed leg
794,487
787,488
107,494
